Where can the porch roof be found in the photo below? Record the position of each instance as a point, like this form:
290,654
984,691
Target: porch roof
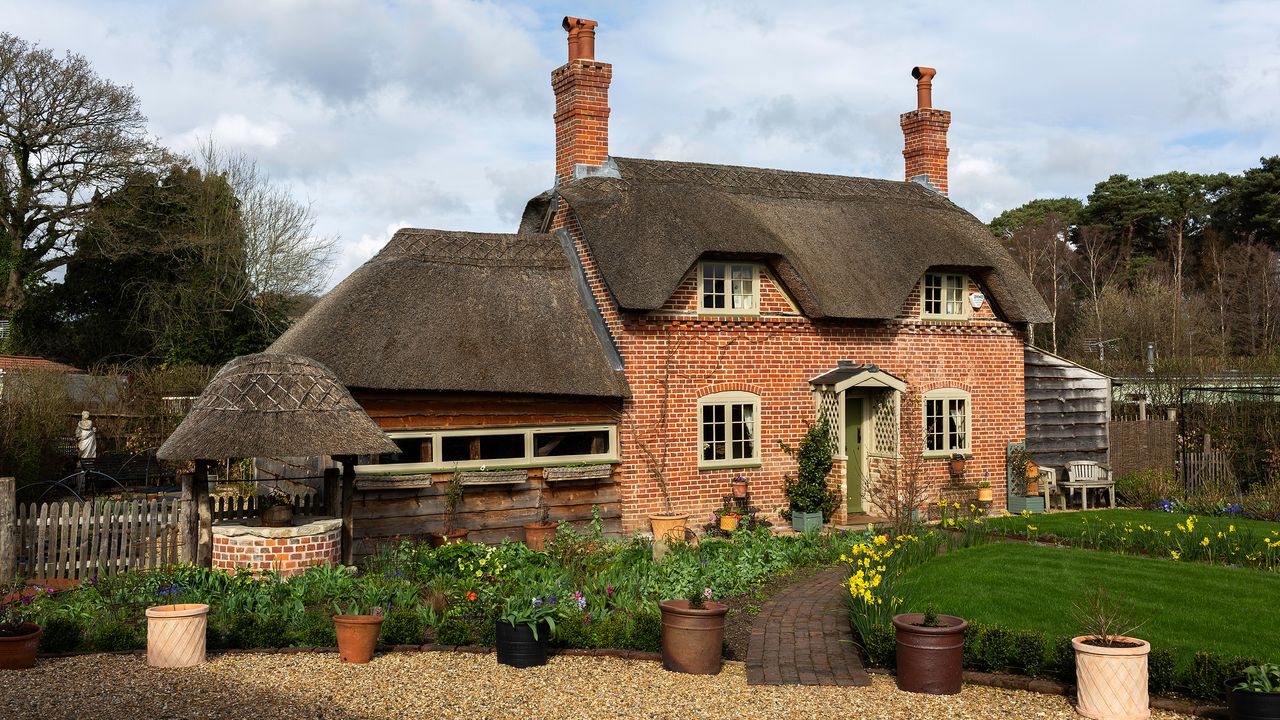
847,375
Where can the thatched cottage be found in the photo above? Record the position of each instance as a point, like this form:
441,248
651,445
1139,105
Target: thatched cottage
681,319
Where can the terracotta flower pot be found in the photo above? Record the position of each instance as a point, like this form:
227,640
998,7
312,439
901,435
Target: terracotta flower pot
984,494
957,467
278,516
18,652
930,659
357,636
1111,682
692,640
536,534
739,489
729,523
175,634
450,538
665,529
1247,705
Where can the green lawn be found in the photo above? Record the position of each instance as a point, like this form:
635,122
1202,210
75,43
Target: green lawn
1188,606
1070,524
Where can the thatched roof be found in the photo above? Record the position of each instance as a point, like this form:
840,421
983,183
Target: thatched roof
846,247
456,311
273,404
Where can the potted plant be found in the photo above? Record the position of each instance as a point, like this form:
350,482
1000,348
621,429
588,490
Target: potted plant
19,633
1256,696
357,633
524,627
176,632
693,633
930,652
740,486
536,533
728,517
1111,665
451,534
984,491
809,498
275,510
957,463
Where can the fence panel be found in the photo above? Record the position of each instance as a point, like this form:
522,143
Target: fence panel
77,540
1206,468
233,507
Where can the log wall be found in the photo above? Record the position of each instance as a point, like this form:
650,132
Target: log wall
492,513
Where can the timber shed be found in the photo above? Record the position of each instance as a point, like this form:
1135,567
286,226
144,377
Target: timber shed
1068,411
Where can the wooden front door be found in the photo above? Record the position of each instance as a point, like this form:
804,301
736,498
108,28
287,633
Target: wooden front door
853,412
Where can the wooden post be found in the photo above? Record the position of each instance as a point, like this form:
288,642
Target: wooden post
8,530
348,494
204,515
188,525
332,500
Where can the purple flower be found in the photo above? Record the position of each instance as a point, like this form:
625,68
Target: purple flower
609,591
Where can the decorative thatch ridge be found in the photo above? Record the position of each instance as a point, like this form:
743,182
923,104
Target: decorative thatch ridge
846,247
274,404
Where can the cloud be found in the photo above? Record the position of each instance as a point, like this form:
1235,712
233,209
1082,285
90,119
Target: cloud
437,113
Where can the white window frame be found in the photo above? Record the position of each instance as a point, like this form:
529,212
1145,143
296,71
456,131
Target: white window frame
729,267
948,283
727,399
944,395
527,461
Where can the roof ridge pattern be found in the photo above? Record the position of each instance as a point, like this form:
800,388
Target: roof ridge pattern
778,183
483,249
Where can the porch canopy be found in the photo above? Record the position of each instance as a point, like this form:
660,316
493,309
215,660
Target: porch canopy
847,376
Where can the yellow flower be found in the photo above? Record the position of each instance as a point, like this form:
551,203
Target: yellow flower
1205,541
1166,533
882,540
1032,528
1175,554
956,506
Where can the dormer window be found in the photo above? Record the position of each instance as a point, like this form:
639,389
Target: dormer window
728,288
942,296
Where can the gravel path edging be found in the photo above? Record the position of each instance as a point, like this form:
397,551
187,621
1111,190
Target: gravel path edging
1046,686
474,649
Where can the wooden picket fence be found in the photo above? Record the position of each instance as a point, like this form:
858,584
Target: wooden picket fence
77,540
1212,468
226,507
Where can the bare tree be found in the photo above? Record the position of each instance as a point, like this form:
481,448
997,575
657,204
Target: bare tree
1097,261
284,257
66,135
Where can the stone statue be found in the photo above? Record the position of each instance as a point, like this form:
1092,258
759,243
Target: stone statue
86,437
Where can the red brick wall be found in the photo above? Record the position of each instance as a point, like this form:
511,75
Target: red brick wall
925,132
582,114
287,556
774,355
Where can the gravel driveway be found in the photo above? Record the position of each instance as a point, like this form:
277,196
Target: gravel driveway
462,685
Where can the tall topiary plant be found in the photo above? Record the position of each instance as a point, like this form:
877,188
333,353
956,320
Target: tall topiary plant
807,490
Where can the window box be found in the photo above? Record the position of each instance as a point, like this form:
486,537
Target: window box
394,482
494,477
578,472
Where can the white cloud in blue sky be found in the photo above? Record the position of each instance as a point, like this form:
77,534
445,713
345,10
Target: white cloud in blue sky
438,113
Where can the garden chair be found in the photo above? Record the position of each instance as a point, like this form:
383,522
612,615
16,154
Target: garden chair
1049,486
1086,475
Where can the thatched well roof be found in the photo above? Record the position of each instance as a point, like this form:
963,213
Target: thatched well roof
277,405
461,312
846,247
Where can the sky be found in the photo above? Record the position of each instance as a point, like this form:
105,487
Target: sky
437,113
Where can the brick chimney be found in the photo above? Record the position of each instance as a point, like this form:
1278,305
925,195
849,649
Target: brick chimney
582,101
925,130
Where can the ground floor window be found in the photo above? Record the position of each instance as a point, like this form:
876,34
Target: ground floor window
728,429
435,450
946,421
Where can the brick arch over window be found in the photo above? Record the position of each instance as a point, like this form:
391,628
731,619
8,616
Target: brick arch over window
944,384
730,387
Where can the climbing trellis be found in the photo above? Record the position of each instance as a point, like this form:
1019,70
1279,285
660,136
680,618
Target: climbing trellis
829,410
884,424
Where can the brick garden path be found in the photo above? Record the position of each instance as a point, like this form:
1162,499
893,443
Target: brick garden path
802,637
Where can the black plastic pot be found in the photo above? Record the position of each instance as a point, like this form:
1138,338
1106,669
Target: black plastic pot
1246,705
517,646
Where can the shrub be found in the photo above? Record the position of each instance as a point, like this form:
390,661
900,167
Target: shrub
808,490
880,646
1146,487
116,635
1162,668
258,630
645,632
1208,675
403,627
312,629
61,635
453,630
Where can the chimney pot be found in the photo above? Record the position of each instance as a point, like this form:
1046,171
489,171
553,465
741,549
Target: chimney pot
924,85
582,37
